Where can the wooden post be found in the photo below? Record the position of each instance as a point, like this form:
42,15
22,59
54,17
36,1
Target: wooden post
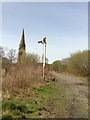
44,55
44,59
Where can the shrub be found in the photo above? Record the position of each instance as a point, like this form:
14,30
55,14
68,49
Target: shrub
79,63
56,65
22,77
30,59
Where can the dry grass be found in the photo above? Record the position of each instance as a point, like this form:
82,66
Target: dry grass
21,78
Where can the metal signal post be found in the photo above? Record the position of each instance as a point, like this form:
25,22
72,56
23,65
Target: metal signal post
44,55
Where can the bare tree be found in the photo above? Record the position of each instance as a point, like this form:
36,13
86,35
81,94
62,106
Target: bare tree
2,53
47,60
11,55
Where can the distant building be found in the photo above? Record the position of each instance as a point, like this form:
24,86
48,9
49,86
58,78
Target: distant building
22,48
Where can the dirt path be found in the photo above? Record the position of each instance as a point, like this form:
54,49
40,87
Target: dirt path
75,97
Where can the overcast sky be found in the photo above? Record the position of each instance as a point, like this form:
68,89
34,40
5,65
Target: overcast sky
65,24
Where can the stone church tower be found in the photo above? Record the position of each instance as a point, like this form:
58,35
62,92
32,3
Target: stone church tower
22,48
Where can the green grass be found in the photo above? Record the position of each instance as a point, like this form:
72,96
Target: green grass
13,105
6,116
28,108
15,108
45,89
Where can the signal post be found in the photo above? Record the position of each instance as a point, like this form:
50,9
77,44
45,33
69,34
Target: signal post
44,55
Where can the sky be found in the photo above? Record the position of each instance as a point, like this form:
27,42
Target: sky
65,24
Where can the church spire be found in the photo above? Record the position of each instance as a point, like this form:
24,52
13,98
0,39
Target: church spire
23,31
22,48
22,43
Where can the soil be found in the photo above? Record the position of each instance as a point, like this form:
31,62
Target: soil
75,98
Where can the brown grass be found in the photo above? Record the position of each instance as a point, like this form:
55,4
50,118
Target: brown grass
22,78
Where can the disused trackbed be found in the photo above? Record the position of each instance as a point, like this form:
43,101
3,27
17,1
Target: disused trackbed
76,95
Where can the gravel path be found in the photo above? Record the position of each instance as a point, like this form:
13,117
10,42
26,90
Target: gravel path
76,95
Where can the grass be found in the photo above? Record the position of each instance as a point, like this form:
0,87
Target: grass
6,116
21,77
13,105
16,109
32,106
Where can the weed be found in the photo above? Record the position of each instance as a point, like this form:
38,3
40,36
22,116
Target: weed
16,113
6,116
31,106
22,108
21,77
11,105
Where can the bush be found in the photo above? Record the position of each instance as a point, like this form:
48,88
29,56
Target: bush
79,63
30,59
55,65
22,77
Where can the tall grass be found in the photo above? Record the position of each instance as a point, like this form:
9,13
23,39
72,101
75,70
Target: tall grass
22,77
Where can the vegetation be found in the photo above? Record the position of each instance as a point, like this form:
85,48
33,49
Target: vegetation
77,63
2,53
11,55
34,105
25,94
30,59
56,65
18,79
21,77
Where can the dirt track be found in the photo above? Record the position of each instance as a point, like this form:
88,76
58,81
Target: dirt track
76,95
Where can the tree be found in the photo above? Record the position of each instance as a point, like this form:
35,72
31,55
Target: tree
64,64
33,58
47,60
30,59
11,55
2,52
56,65
79,63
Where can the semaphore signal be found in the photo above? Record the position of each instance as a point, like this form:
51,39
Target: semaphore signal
44,55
